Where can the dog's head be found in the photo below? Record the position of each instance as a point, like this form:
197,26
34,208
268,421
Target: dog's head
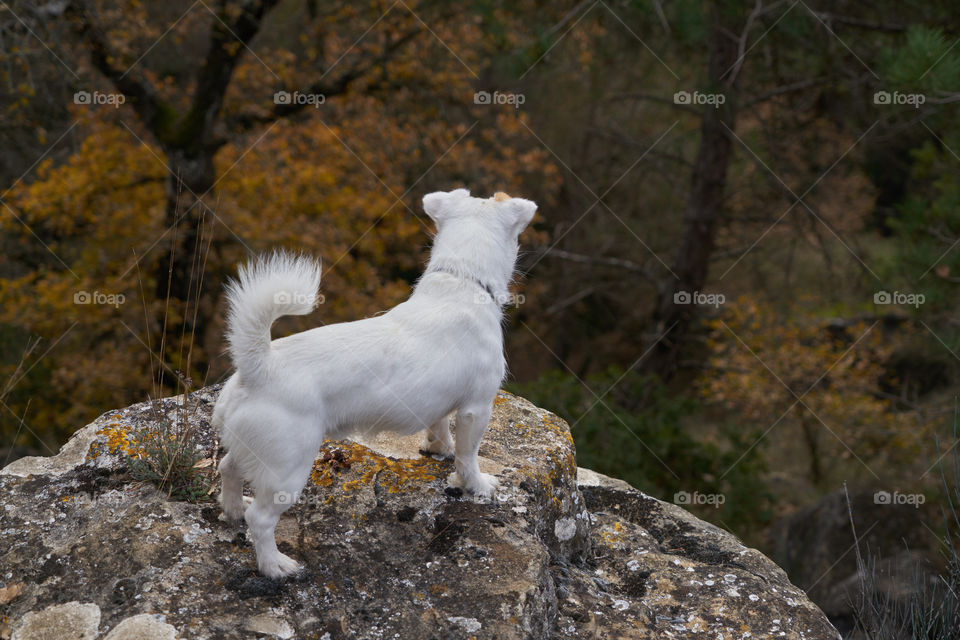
478,235
510,215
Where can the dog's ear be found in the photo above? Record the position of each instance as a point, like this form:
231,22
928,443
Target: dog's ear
436,204
521,212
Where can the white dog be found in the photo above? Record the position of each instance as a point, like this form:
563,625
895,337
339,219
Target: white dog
439,352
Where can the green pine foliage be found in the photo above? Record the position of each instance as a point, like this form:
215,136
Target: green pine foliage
925,61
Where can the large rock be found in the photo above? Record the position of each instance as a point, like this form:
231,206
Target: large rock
389,551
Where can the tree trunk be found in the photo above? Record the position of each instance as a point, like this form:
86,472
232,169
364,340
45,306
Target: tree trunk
810,438
181,281
189,141
674,314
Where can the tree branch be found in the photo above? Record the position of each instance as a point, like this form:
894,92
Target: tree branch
566,18
195,129
742,43
639,95
214,77
343,82
788,88
789,194
140,95
858,23
569,301
621,138
620,263
337,87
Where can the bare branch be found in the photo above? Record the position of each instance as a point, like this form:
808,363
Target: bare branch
338,86
788,88
742,42
569,301
621,138
567,18
944,97
620,263
195,128
858,23
140,95
778,184
639,95
658,6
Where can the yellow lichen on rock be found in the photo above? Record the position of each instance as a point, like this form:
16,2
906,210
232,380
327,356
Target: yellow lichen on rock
393,475
118,440
613,537
558,427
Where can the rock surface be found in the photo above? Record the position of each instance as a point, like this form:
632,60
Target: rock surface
390,552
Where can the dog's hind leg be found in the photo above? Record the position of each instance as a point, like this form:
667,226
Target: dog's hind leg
438,440
269,503
472,423
231,489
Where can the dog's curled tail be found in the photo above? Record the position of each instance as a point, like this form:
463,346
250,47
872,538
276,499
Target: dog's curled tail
275,285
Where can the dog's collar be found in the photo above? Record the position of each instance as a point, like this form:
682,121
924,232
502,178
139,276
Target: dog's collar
480,283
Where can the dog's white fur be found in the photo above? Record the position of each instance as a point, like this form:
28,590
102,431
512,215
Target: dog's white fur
409,369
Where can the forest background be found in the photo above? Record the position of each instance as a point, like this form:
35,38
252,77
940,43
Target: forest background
739,288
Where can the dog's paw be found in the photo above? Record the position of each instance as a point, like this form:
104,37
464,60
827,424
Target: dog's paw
279,566
437,448
233,510
481,485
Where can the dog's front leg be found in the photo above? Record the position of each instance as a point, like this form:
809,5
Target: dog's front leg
471,425
438,440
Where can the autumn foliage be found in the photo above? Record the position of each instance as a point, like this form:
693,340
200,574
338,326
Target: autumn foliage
341,180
